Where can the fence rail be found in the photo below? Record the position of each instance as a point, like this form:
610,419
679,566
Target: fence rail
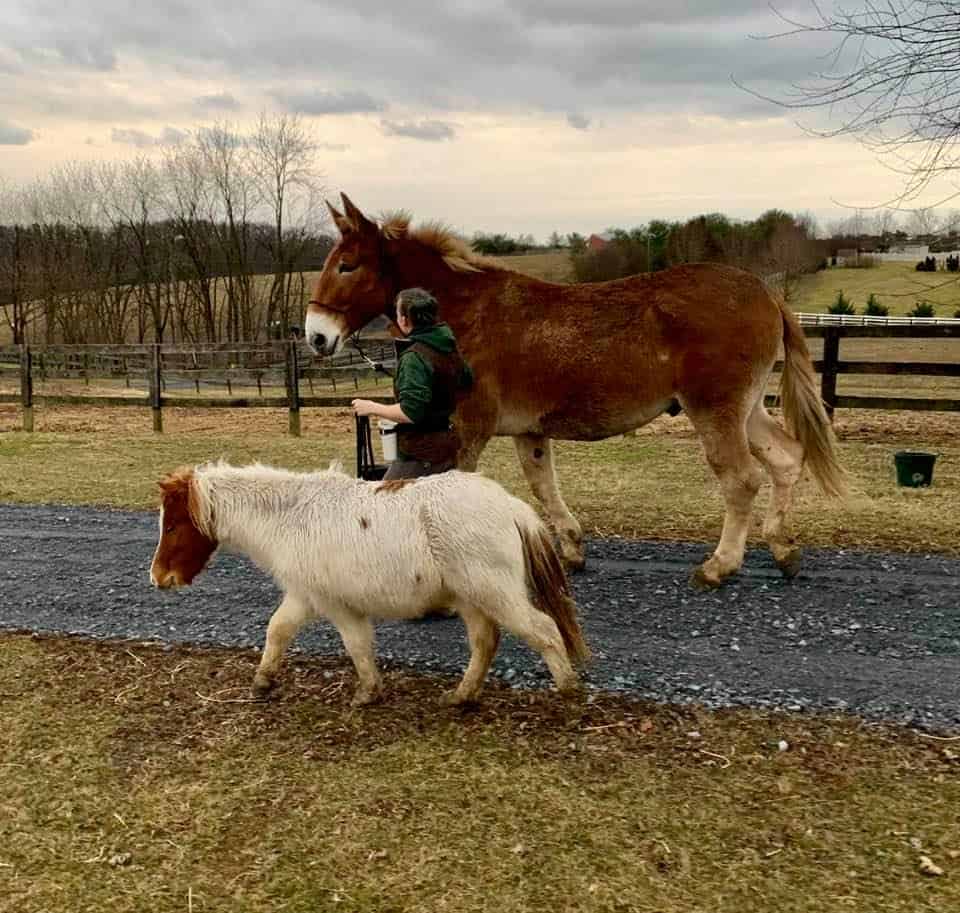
159,369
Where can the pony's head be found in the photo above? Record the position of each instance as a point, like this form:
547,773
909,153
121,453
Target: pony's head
351,290
184,547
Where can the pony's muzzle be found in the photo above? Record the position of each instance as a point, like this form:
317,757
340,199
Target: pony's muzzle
165,581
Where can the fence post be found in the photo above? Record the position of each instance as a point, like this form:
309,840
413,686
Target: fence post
831,359
156,379
26,386
293,388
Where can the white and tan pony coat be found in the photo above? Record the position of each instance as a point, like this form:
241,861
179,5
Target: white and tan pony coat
352,551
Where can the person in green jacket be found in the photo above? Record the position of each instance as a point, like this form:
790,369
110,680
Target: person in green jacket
431,375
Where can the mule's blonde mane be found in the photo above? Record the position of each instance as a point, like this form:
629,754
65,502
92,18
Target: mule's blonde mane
455,251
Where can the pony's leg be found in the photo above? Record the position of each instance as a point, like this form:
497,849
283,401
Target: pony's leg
286,621
782,456
516,614
356,632
484,638
536,457
728,453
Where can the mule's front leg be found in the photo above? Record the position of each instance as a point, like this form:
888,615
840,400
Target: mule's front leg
476,423
356,631
284,625
536,457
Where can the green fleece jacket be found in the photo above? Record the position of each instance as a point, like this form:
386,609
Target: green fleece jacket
415,381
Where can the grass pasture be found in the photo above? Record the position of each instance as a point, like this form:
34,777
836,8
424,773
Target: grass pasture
654,485
138,778
895,283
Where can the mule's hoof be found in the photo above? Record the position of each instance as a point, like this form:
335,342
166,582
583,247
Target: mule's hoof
261,688
700,581
789,564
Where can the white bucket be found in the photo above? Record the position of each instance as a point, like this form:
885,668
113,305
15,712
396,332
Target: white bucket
388,439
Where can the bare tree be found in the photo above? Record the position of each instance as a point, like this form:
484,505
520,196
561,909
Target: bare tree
894,80
291,189
16,292
190,203
228,166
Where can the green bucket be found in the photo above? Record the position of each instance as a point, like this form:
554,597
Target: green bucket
914,468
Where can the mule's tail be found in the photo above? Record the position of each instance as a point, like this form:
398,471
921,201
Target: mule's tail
804,412
548,583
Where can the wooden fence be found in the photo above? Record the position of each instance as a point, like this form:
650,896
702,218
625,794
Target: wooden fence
159,369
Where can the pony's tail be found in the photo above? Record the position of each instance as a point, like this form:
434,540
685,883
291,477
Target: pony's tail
548,583
804,412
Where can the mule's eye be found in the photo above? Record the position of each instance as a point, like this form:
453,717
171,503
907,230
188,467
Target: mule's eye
169,529
346,267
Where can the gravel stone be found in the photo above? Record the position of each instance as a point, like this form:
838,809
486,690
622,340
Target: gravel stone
875,634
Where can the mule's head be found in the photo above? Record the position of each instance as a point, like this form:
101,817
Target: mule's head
351,290
184,549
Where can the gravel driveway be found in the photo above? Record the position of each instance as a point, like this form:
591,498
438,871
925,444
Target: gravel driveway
876,634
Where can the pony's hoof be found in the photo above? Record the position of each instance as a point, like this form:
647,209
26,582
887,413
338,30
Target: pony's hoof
703,583
572,688
455,699
789,564
365,697
261,688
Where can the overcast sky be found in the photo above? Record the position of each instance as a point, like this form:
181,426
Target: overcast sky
520,115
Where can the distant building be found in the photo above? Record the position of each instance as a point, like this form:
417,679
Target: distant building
600,241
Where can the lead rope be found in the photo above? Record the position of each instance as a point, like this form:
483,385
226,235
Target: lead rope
376,365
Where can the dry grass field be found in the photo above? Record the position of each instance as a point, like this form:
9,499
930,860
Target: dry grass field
137,778
654,485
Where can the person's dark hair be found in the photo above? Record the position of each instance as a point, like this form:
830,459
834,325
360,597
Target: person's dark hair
418,306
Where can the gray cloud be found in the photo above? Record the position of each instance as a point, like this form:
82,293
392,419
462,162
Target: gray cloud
321,102
219,101
427,56
432,131
578,121
12,135
86,55
169,136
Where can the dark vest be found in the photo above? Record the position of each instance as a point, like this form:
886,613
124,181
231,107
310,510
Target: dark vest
432,439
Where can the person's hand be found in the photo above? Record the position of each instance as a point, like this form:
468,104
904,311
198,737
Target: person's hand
364,407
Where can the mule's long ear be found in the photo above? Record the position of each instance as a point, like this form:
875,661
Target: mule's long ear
359,221
339,219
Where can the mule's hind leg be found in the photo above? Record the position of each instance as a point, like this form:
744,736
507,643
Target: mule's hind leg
782,456
728,453
484,638
356,632
286,621
536,457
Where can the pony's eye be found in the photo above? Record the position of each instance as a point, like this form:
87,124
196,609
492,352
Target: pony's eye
346,267
169,529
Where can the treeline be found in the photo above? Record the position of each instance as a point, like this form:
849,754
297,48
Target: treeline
777,245
207,242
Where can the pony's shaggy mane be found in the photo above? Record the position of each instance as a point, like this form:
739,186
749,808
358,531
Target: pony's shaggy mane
454,250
